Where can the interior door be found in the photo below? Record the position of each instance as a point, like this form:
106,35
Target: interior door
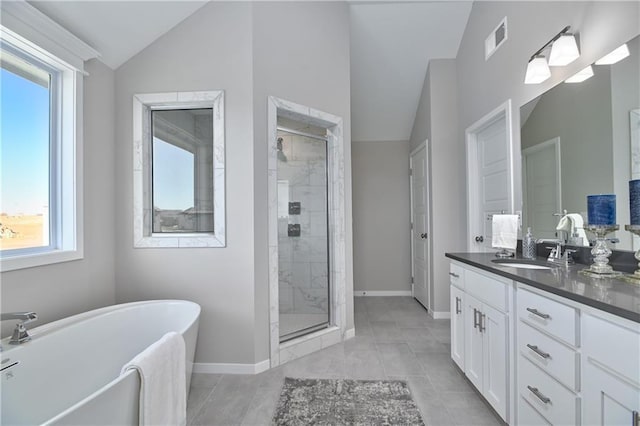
542,175
489,184
419,221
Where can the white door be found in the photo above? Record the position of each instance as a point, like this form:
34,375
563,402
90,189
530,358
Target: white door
489,181
473,341
494,330
457,326
420,220
541,174
609,400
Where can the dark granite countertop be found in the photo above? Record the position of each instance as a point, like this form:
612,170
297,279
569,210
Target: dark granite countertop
610,295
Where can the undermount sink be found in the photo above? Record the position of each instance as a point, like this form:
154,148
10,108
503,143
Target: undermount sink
523,264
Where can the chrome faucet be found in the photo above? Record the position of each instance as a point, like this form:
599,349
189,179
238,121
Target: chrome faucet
557,254
20,334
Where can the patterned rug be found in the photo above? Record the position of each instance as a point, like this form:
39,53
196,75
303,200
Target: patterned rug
346,402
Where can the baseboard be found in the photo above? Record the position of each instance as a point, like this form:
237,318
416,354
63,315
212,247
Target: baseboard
367,293
350,334
229,368
440,315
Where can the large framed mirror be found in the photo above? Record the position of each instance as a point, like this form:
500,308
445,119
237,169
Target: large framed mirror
579,139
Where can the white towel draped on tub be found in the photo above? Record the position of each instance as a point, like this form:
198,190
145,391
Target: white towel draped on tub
163,396
505,231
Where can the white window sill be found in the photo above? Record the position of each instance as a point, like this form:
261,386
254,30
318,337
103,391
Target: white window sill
14,263
178,240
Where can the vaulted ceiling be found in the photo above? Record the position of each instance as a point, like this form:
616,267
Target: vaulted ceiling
391,45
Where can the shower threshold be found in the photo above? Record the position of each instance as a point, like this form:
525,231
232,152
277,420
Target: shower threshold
302,332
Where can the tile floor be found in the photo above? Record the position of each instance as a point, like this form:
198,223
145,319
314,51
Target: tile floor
395,339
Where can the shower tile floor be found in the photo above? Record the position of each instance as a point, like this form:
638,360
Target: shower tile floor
395,339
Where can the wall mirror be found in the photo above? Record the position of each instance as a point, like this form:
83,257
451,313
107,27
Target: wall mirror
179,170
579,139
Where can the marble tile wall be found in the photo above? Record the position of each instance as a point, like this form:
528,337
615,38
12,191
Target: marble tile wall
303,261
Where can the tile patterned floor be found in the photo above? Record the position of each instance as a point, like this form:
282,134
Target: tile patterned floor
395,339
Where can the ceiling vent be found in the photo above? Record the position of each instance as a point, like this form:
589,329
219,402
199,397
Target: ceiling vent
497,37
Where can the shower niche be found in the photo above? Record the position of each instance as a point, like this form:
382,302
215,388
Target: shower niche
307,265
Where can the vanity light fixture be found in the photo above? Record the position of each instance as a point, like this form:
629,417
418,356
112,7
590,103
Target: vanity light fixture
616,56
581,76
537,70
564,50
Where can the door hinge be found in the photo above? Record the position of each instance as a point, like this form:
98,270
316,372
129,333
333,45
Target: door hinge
410,172
411,280
411,224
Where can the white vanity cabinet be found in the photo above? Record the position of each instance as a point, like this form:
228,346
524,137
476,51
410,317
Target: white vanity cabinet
611,371
547,359
456,274
479,332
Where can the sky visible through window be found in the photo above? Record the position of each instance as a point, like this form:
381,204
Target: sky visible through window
24,146
173,178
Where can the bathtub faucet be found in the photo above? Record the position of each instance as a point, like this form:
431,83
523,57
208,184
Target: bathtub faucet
20,334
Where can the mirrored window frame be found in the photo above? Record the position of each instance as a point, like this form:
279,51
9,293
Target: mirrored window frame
143,105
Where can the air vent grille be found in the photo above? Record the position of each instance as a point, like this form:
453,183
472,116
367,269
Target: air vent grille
496,39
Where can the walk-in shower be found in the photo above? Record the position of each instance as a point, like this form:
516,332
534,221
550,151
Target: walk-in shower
303,242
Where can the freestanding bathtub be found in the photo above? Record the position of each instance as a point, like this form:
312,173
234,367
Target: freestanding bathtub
69,373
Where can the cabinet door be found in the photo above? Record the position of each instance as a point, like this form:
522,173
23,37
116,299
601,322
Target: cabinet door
457,326
473,341
494,331
607,399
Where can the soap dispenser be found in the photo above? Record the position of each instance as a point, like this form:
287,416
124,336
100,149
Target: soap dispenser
528,246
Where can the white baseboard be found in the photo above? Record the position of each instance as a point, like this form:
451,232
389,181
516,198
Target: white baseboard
368,293
229,368
440,315
350,334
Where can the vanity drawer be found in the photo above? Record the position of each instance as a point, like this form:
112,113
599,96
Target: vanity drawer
550,355
488,289
553,317
553,401
528,416
614,345
456,275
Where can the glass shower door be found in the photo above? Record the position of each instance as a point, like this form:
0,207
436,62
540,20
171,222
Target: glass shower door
303,254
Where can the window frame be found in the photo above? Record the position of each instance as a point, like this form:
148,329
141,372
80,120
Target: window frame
65,185
143,105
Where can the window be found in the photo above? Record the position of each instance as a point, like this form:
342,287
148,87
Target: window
179,170
41,67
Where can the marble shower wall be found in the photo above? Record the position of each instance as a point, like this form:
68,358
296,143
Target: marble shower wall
303,261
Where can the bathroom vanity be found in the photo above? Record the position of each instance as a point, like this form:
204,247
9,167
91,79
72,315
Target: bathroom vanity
546,346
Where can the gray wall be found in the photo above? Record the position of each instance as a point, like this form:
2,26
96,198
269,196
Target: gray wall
210,50
437,120
483,85
63,289
247,50
381,214
301,54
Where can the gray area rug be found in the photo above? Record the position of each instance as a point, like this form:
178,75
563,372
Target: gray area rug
346,402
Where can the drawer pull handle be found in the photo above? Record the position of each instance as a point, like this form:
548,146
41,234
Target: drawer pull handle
475,318
538,313
635,421
458,310
538,351
537,393
454,275
481,322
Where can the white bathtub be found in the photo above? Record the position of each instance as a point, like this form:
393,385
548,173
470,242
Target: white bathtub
69,373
